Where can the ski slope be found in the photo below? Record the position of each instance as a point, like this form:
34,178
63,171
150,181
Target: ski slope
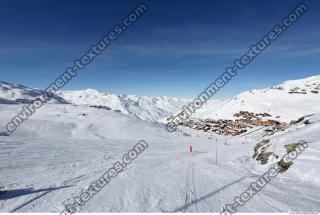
61,149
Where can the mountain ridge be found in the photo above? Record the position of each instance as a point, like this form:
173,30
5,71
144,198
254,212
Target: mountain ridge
288,100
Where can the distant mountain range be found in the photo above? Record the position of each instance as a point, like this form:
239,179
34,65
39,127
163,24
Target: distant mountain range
287,101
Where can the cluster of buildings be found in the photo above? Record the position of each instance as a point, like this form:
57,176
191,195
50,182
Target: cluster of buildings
245,120
247,117
222,127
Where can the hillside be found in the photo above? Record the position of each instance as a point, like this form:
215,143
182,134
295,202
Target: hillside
285,102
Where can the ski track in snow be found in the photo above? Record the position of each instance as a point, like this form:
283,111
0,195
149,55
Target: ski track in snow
191,191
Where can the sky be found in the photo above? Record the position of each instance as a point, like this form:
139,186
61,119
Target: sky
176,49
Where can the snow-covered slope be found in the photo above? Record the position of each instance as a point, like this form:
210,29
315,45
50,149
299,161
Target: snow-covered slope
272,148
289,100
305,168
62,149
16,93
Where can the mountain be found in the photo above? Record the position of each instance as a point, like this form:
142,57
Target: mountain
141,107
285,102
17,93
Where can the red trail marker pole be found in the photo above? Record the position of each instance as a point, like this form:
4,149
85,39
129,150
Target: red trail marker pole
190,148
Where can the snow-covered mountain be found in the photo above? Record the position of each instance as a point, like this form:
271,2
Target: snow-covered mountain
17,93
287,101
142,107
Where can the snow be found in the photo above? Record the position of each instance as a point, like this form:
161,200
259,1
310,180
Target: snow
146,108
63,148
16,93
275,100
309,83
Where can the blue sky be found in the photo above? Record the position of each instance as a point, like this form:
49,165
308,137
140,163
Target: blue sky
176,49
